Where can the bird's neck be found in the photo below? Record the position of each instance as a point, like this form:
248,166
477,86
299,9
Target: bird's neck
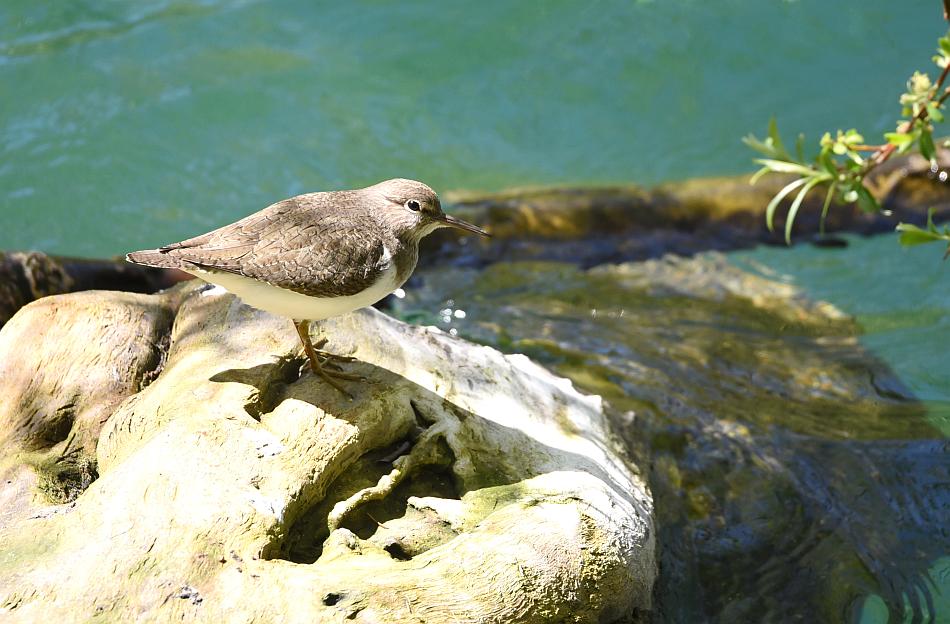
405,255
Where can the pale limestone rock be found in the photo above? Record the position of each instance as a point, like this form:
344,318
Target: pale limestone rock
460,484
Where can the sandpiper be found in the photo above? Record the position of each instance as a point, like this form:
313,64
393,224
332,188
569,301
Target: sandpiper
315,256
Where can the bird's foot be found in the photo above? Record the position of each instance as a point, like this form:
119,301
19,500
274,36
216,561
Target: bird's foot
326,355
337,374
319,359
330,364
330,375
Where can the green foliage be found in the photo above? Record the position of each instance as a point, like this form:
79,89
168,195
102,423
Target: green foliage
841,164
913,235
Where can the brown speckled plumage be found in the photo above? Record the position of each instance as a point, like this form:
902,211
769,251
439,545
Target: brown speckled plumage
319,244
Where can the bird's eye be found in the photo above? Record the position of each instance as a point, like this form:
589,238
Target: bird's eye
413,205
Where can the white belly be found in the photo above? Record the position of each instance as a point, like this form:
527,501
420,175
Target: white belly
295,305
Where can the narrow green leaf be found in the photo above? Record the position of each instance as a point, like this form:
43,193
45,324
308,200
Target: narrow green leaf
770,209
912,235
758,174
933,111
800,147
927,149
777,140
824,208
827,162
773,131
783,166
930,220
898,138
793,209
759,146
866,201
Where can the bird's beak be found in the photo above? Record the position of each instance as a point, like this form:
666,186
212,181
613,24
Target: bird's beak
457,223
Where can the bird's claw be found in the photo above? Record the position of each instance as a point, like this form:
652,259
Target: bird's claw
326,355
330,377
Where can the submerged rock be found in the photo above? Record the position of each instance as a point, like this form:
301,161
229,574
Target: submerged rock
793,472
460,484
594,225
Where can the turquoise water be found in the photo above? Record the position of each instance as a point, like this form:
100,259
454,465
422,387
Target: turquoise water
126,125
130,124
900,298
901,301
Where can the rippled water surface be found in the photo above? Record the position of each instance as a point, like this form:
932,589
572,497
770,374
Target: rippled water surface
901,302
125,125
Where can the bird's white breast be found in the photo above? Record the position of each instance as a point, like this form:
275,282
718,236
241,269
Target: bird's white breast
301,307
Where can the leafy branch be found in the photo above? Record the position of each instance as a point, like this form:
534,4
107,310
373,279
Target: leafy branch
913,235
844,161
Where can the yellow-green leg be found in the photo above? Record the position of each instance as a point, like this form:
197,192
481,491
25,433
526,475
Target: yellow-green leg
303,330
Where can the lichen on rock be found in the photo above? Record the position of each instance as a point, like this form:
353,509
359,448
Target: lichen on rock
459,484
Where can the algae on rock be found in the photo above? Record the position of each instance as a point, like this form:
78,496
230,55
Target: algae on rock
768,428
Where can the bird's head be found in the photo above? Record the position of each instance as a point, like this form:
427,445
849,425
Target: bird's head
415,209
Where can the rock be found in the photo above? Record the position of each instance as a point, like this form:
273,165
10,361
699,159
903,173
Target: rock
792,470
87,353
594,225
460,484
27,276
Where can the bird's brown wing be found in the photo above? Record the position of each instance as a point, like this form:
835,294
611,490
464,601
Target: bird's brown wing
299,244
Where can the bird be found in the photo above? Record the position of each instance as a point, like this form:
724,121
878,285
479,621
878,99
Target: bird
316,256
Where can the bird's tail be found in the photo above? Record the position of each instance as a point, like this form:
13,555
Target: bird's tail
154,258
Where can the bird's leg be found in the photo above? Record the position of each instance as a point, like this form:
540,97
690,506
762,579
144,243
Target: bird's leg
303,330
